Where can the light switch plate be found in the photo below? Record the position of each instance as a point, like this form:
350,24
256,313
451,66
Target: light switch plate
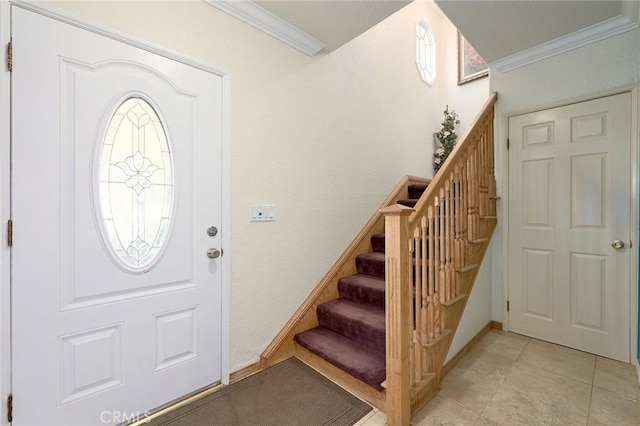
263,213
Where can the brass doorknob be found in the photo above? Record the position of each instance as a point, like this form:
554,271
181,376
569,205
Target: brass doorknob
617,244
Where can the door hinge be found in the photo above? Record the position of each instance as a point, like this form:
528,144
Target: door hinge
10,408
507,306
508,143
10,232
10,56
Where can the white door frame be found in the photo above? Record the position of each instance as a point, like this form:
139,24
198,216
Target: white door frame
503,158
5,167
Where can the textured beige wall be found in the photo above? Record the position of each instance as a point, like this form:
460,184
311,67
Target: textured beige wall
324,139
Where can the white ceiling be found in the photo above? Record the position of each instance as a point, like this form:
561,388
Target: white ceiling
334,22
507,33
497,29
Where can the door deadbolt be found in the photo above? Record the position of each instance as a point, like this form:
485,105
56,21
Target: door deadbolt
617,244
213,253
212,231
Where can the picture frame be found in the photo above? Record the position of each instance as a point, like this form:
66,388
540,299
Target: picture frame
471,66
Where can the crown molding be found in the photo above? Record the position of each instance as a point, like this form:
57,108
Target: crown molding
628,20
250,13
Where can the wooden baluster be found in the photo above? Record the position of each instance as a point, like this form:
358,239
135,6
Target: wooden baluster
464,217
441,272
473,196
459,256
485,170
481,169
452,236
432,276
476,200
424,323
417,308
436,268
448,239
492,188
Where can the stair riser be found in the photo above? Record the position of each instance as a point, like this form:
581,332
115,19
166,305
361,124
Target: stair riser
361,295
370,267
362,333
416,190
377,243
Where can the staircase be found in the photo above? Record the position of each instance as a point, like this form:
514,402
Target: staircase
381,321
351,330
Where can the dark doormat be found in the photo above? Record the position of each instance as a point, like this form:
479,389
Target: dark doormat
289,393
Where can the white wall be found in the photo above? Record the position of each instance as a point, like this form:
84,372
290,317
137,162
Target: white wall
607,67
324,139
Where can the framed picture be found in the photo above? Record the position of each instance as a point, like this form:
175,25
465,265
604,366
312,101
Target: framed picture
471,66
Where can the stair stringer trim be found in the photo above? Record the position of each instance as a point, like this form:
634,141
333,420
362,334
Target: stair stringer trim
305,318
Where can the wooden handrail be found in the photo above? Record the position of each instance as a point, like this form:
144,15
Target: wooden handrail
432,255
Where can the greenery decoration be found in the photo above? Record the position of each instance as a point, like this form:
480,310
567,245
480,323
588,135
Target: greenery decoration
447,137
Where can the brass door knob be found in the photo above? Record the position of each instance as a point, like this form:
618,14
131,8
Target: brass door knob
617,244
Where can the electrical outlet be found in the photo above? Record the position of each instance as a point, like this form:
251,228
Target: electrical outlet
262,214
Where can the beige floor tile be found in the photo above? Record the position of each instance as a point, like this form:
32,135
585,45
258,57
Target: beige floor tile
508,345
485,422
593,422
510,407
610,408
442,411
366,418
549,388
472,388
561,360
378,419
617,377
484,360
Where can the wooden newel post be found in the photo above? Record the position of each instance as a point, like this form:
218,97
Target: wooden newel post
398,313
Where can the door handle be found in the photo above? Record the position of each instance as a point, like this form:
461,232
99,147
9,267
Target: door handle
617,244
213,253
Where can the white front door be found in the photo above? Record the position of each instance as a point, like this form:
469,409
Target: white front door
569,199
116,181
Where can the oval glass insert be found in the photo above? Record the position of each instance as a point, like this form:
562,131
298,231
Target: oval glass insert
136,185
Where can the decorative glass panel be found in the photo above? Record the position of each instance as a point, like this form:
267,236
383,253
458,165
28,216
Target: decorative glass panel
425,53
136,184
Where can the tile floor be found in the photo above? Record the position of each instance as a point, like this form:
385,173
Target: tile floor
509,379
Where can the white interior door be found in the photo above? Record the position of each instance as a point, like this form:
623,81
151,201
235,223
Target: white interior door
116,155
569,198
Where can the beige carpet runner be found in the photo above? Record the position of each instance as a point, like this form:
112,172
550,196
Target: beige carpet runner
289,393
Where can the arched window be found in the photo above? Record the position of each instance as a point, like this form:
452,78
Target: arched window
136,185
425,52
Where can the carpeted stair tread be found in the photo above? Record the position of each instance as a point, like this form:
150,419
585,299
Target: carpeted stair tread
371,264
347,355
377,242
409,203
360,322
362,288
417,189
